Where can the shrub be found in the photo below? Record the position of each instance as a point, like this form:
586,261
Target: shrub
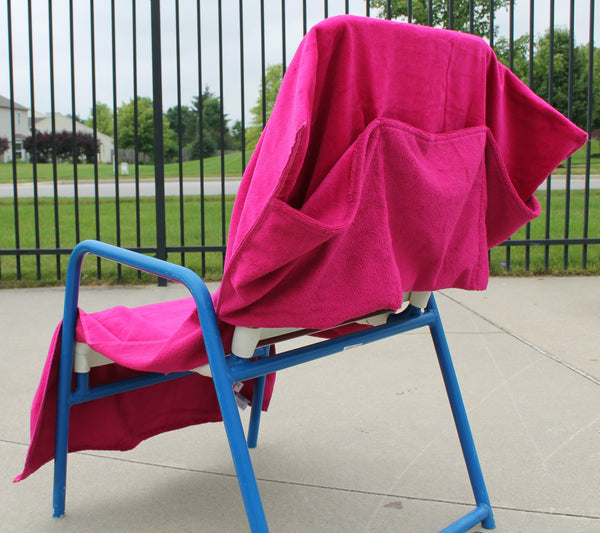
81,146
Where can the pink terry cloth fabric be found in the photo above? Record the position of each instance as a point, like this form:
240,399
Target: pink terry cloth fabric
395,157
163,337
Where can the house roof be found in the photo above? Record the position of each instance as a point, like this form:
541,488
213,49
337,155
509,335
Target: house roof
63,123
5,102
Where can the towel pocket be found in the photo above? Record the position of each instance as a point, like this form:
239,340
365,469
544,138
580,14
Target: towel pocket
283,234
432,194
281,239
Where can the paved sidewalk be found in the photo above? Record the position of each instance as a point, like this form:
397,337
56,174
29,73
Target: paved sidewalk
347,445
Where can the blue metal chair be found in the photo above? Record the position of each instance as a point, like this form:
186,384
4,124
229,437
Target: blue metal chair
229,370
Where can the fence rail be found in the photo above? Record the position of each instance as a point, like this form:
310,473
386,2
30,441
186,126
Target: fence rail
168,78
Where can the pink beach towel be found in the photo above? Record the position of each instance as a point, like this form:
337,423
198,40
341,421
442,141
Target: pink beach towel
163,337
395,157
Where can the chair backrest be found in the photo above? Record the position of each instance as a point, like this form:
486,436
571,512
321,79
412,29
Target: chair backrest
395,156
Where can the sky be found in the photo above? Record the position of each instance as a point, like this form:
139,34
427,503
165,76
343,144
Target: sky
80,60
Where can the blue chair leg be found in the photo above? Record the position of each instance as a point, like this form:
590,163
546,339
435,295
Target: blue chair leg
65,375
60,453
241,456
257,401
235,431
483,513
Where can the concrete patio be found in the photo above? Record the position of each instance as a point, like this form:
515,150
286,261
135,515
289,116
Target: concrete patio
347,445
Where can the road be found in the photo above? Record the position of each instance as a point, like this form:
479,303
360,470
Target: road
191,186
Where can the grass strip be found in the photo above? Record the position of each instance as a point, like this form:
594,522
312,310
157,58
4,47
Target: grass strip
65,171
191,169
42,270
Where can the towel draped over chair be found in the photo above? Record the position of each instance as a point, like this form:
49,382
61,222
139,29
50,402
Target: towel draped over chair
395,157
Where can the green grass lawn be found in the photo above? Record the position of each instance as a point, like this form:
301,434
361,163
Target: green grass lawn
191,169
210,264
578,161
557,231
64,171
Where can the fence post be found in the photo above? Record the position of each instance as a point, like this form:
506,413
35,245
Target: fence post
159,160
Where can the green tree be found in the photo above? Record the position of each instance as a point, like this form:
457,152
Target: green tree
440,13
212,122
560,85
145,118
104,119
540,82
203,147
520,55
188,128
236,134
273,77
268,95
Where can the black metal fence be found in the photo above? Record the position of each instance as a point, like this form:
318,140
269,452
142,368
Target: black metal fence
167,78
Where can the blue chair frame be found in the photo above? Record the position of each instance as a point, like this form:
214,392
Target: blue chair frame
228,370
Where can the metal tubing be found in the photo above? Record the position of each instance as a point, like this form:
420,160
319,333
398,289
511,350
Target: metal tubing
64,381
159,160
65,399
216,357
74,152
136,136
257,402
245,369
54,146
113,34
233,426
13,142
548,206
200,109
117,387
570,117
460,417
471,519
224,375
179,131
222,124
588,153
36,206
95,132
82,387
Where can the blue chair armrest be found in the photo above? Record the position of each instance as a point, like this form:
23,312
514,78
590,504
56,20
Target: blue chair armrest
152,265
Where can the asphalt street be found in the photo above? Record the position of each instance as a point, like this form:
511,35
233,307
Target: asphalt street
191,186
127,188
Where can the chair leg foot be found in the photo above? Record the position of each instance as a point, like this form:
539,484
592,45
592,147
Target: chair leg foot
489,523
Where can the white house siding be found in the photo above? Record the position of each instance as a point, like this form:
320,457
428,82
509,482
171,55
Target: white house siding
21,126
63,123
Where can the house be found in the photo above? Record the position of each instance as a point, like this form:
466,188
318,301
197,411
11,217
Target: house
21,125
43,123
62,123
